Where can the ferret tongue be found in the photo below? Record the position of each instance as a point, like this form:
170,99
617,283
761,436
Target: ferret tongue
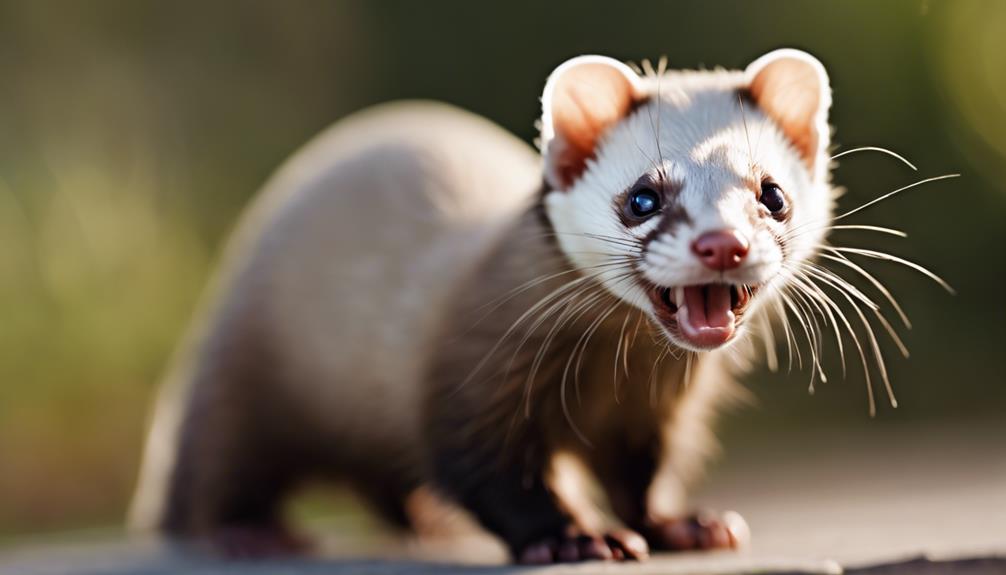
708,320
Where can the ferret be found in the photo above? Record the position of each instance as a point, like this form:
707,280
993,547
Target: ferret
418,300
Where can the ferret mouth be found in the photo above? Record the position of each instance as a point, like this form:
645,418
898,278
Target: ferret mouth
705,316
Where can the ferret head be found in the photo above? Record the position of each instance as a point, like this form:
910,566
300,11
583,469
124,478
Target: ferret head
688,194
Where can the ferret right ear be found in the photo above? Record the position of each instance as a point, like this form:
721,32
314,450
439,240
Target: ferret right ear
583,98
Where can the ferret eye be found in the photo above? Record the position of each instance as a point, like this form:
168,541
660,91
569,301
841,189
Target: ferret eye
772,197
644,202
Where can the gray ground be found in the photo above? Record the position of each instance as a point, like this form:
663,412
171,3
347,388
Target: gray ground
879,501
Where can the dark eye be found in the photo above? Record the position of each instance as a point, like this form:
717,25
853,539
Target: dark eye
772,198
644,202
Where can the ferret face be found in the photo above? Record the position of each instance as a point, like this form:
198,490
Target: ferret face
689,194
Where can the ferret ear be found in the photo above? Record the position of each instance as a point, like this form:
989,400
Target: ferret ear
583,98
792,88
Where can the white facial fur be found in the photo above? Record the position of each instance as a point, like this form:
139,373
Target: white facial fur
716,148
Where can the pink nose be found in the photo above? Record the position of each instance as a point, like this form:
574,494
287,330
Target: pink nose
721,250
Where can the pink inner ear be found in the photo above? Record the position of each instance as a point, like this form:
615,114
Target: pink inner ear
588,99
789,91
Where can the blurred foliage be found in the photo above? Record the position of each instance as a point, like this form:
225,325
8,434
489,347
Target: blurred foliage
132,133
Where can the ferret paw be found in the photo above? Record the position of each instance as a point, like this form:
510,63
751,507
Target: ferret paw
243,542
576,545
700,531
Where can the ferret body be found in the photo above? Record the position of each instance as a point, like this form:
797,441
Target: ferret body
417,299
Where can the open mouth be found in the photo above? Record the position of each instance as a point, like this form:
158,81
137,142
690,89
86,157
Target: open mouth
705,316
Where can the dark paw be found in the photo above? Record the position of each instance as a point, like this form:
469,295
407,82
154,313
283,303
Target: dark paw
699,532
615,545
256,542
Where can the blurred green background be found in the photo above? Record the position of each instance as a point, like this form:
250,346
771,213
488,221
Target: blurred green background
132,133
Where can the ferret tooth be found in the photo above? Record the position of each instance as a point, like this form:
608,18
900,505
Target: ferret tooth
679,295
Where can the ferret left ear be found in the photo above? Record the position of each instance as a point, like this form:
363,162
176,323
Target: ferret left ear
583,98
792,88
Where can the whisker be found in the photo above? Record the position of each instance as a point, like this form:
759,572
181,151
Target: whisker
661,67
876,149
828,275
883,230
810,307
531,311
565,373
897,191
589,333
797,312
768,339
795,233
888,257
567,314
653,376
868,328
501,300
688,368
618,350
565,317
632,342
813,289
747,136
790,334
629,243
855,340
876,283
876,311
805,227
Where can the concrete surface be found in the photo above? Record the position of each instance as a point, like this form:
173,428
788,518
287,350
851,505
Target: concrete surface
878,501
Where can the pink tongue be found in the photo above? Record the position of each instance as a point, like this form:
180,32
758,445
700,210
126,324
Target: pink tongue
709,306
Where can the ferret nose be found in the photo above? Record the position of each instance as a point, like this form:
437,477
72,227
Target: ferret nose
721,250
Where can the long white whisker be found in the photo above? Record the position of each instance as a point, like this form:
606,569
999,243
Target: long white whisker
855,340
561,294
876,149
653,376
894,334
806,227
876,283
811,306
768,338
897,191
568,314
798,312
784,320
589,333
501,300
888,257
880,229
797,232
877,355
829,276
584,339
618,351
812,288
784,303
876,311
562,385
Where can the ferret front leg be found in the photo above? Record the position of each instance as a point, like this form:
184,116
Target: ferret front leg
511,498
647,493
669,524
686,529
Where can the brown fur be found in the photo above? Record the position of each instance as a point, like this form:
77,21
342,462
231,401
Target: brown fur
492,432
314,364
